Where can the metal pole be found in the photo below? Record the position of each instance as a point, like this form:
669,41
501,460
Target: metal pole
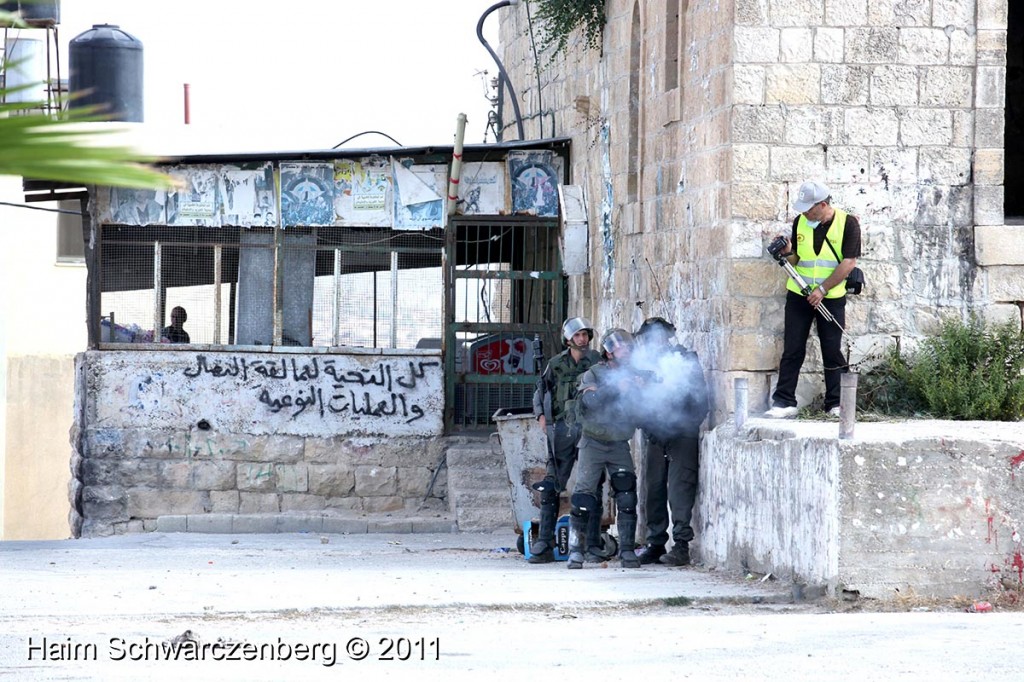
456,172
394,299
847,404
742,401
217,303
336,326
158,316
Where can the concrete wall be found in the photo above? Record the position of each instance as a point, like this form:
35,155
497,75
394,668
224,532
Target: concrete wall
898,106
42,309
186,433
921,508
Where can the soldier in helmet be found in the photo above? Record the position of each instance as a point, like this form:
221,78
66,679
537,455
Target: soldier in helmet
554,398
676,405
607,393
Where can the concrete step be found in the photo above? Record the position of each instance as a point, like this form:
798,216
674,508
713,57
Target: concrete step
306,523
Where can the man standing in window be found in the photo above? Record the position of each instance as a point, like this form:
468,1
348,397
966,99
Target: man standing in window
176,333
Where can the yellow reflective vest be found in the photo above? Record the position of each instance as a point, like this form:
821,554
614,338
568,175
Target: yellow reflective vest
816,267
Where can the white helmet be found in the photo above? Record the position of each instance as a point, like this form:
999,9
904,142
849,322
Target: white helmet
576,324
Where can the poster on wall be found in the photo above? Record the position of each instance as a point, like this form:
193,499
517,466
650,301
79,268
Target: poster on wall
533,180
362,192
482,189
307,194
196,201
123,206
419,193
248,197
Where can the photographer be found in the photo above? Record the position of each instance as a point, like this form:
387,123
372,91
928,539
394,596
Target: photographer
827,247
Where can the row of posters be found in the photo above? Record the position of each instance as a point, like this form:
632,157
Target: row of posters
366,192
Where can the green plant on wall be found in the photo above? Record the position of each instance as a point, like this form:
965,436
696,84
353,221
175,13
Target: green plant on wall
560,19
969,370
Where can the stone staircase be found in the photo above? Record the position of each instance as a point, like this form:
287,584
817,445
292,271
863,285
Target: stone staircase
479,497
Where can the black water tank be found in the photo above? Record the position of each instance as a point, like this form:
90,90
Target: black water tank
41,13
106,70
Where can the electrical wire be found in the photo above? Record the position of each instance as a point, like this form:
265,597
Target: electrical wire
368,132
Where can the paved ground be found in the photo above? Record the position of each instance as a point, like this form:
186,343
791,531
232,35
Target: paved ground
442,606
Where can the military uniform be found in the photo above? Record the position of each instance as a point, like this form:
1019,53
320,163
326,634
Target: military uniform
605,413
672,440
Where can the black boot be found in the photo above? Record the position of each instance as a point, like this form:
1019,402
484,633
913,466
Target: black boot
577,535
678,556
650,553
542,549
626,525
596,552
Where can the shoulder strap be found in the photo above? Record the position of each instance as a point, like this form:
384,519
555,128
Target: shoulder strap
838,259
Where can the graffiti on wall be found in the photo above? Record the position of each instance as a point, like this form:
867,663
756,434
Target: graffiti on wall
265,393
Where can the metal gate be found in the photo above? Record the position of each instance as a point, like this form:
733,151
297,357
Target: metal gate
504,288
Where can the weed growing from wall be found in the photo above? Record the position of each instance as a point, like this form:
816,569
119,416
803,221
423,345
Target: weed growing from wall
970,370
559,19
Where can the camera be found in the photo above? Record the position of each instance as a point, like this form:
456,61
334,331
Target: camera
776,248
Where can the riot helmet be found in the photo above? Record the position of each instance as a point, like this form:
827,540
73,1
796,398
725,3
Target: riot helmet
655,331
615,340
574,325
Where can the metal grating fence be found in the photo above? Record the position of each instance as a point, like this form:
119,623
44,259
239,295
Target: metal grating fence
367,287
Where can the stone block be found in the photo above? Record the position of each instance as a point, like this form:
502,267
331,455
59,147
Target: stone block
345,503
1005,313
756,201
376,505
294,502
893,85
844,84
209,523
276,448
873,45
764,124
214,475
254,523
402,526
796,13
926,127
808,126
372,481
992,14
793,84
828,45
171,523
906,13
988,204
945,165
991,87
751,13
224,501
147,503
258,503
989,128
344,526
291,478
756,45
331,480
991,47
1005,283
947,86
750,352
441,525
413,481
748,84
298,523
255,477
796,44
999,245
963,49
175,474
956,13
846,12
923,46
871,127
791,164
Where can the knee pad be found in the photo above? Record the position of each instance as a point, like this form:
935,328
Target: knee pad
548,493
583,503
624,485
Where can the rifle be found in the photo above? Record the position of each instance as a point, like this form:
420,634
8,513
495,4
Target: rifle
542,386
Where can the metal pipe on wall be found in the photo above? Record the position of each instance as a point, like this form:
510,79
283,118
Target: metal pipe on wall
456,172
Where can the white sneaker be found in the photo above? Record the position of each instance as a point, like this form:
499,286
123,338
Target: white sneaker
834,412
779,412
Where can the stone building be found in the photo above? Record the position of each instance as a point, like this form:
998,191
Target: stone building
695,122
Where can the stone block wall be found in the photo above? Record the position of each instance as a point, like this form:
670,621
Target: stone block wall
926,508
898,106
185,433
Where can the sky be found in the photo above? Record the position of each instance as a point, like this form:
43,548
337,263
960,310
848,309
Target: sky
284,77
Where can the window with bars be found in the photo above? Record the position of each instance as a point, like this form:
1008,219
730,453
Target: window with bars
332,286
